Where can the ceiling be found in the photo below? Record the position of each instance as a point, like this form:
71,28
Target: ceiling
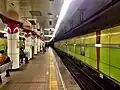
89,9
70,12
96,17
43,10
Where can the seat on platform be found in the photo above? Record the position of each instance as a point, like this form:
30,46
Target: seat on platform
5,67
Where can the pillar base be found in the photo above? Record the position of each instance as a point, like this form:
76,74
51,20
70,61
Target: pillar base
17,69
35,54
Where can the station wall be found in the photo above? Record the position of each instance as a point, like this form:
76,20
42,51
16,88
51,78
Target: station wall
3,44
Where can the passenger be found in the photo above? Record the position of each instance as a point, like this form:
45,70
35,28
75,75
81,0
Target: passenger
3,57
41,49
43,46
3,60
22,54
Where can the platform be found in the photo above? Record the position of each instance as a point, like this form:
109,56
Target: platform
44,72
68,81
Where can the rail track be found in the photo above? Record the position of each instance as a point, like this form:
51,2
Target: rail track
86,78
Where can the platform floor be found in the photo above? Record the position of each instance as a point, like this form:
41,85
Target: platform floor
41,74
69,82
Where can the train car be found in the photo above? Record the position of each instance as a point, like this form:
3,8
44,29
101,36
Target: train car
99,50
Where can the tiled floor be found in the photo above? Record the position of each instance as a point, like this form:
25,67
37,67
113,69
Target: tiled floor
42,73
34,76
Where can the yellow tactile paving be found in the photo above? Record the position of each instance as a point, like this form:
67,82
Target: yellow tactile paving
53,85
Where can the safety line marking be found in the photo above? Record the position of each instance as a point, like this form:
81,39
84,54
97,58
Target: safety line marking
53,85
63,84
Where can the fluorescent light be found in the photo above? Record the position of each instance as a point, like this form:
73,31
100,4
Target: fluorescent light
98,45
5,35
48,35
46,29
74,44
47,41
62,14
63,11
2,31
57,16
22,36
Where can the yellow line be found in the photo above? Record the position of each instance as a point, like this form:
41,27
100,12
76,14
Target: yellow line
53,85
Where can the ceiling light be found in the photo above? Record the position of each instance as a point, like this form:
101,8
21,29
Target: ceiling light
22,36
63,11
2,31
57,16
48,35
98,45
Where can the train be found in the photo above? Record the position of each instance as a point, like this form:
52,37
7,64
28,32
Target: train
99,50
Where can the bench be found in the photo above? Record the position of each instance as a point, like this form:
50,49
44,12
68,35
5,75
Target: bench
5,67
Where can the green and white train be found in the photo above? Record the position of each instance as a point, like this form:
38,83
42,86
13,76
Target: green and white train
100,50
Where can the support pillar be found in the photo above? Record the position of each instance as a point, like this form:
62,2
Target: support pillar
38,43
35,45
32,45
28,48
13,43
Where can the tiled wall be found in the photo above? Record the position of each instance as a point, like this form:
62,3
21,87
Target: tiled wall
3,44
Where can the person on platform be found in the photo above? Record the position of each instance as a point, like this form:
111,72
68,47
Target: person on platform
3,60
3,57
22,54
43,47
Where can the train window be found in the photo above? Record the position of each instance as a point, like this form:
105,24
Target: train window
82,50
